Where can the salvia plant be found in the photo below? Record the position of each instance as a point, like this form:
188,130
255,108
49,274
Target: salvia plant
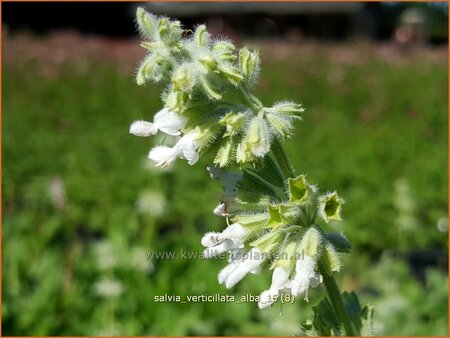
272,215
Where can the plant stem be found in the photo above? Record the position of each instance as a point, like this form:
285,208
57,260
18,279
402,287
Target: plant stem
282,159
336,300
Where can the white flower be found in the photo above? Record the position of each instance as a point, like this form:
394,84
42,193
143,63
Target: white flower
305,276
143,128
220,209
240,267
231,238
280,281
169,122
165,120
185,148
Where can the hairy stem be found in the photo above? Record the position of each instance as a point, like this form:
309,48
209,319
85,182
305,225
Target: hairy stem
336,300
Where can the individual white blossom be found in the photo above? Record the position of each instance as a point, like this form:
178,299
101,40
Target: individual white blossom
231,238
305,276
185,148
169,122
143,128
165,120
220,209
280,282
239,267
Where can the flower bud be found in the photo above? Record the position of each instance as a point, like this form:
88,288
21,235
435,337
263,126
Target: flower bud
331,258
230,73
286,108
146,22
249,64
233,122
163,27
182,78
224,154
145,70
224,51
330,207
223,46
310,243
143,128
220,209
300,191
257,139
207,133
243,155
207,61
175,101
201,36
281,124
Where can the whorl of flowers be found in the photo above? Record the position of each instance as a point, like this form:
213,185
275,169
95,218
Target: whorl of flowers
207,98
208,106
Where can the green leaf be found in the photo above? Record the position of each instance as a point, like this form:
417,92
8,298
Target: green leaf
270,172
255,184
326,321
339,241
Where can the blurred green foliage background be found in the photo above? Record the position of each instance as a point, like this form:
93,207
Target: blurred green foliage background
82,206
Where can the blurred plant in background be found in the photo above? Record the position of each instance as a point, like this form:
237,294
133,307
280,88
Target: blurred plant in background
387,130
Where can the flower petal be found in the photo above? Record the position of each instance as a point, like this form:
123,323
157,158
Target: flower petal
163,155
267,298
211,239
218,249
143,128
169,122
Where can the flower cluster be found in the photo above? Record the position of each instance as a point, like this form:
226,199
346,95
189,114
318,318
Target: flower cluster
278,231
208,102
208,105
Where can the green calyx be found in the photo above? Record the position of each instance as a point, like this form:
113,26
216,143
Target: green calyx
311,242
330,207
300,191
281,215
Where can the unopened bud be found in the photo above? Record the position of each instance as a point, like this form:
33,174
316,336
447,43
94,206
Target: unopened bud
182,79
146,22
201,36
311,242
233,122
145,70
257,138
224,154
331,258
